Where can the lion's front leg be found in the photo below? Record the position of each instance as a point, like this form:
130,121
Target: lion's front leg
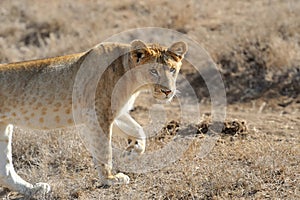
102,156
126,126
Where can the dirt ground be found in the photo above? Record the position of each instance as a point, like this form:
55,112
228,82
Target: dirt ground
255,45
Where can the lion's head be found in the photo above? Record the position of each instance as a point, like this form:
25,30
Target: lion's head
161,66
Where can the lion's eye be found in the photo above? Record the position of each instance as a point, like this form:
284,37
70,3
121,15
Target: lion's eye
172,70
154,72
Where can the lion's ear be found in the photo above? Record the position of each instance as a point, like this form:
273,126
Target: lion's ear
179,48
138,50
138,44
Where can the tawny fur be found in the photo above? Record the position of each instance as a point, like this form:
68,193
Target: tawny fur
38,94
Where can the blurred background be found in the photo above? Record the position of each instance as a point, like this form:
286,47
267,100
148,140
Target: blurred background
254,43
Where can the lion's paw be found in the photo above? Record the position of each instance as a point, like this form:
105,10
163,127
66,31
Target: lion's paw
117,179
122,178
44,187
38,188
135,148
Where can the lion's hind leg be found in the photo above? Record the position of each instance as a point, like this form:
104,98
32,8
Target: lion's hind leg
8,176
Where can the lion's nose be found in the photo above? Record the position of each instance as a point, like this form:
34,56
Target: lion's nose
166,91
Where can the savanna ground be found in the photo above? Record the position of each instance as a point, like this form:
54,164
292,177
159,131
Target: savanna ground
255,45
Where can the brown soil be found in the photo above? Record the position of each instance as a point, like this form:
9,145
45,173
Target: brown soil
255,45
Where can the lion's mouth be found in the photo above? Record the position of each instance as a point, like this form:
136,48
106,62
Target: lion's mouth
163,96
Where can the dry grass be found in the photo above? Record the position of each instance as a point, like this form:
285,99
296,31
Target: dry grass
256,47
261,163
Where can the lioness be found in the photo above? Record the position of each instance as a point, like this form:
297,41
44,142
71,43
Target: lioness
38,94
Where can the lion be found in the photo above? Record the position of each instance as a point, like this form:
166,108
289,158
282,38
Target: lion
39,94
